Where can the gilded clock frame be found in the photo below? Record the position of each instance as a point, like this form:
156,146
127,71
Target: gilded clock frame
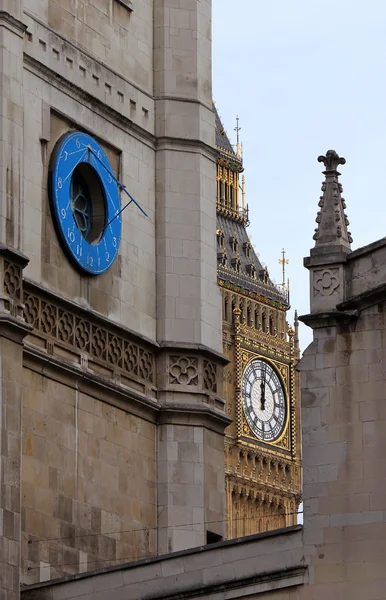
246,358
282,360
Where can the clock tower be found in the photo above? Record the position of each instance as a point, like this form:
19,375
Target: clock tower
262,444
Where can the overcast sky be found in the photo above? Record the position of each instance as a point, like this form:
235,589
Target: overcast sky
304,76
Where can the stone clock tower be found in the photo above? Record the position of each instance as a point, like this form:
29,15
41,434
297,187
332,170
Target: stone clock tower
111,365
262,445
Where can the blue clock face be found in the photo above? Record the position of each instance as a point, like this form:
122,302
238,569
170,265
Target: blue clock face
85,203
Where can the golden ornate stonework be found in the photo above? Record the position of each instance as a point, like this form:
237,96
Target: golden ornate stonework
263,477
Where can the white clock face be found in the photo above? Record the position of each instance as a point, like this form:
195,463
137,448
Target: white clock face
264,400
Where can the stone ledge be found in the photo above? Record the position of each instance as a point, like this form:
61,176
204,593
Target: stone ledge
279,554
191,347
80,95
364,300
127,4
367,249
14,256
13,328
177,144
324,258
201,416
128,399
328,319
13,24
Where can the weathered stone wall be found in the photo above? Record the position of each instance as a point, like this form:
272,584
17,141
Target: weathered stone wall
107,30
262,566
99,352
126,292
344,424
344,417
88,482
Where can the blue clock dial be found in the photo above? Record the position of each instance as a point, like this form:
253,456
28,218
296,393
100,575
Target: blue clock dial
85,203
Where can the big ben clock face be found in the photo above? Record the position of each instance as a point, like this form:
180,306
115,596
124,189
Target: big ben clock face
85,203
264,400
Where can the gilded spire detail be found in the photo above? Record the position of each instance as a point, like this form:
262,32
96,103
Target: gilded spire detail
331,232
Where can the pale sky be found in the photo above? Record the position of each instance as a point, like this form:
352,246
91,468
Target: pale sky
304,76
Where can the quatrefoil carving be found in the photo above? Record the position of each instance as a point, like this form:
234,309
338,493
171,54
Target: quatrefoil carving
183,370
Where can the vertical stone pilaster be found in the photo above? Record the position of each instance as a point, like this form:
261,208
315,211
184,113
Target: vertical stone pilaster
11,121
188,300
191,495
189,315
13,329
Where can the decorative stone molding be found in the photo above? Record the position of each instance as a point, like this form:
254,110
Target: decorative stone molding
183,370
210,376
64,327
326,282
126,3
12,264
13,280
273,342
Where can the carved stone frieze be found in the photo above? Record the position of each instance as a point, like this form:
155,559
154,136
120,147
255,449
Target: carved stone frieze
64,327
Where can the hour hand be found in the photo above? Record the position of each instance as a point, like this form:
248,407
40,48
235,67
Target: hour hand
262,396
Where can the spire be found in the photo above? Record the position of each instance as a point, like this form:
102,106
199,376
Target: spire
237,130
296,329
331,232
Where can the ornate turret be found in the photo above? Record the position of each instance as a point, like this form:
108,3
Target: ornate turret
331,234
238,264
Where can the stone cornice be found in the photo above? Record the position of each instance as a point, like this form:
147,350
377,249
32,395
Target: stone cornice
89,55
14,256
319,257
198,415
293,574
364,300
71,375
185,145
328,319
367,249
217,357
11,23
93,103
169,98
13,328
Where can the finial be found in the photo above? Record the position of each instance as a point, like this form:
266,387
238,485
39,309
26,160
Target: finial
237,130
296,329
331,160
331,232
283,261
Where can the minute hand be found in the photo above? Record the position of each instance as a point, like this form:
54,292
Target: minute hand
262,388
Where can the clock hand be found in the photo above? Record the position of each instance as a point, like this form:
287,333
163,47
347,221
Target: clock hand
262,389
262,397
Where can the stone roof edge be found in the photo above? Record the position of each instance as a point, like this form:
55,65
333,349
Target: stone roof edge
146,561
363,250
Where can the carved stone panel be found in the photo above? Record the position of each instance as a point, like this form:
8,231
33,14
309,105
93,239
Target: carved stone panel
183,370
327,287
